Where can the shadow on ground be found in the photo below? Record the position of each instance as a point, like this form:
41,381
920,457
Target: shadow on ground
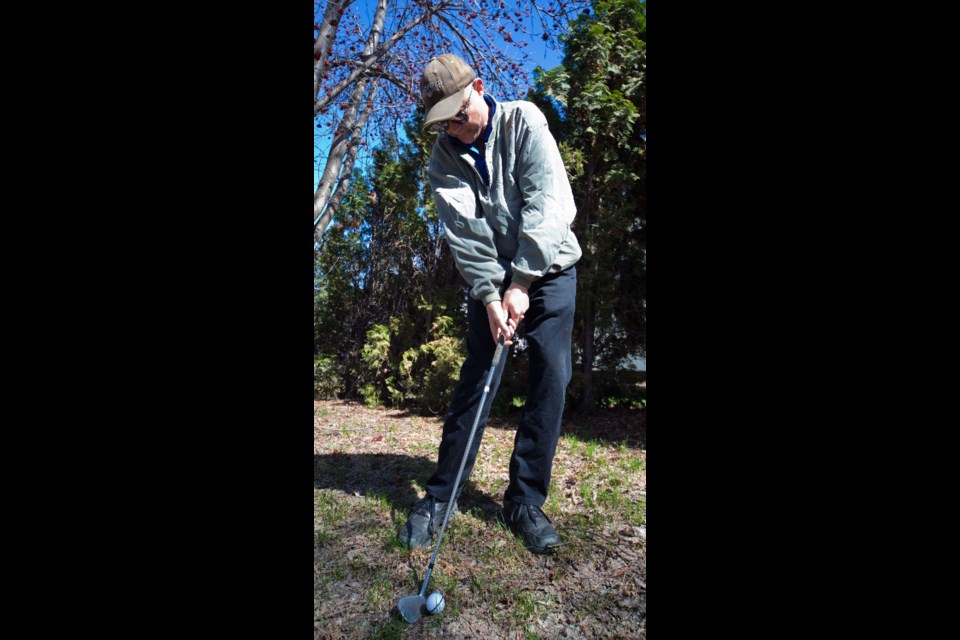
393,477
613,426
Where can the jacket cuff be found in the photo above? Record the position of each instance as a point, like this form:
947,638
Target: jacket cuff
493,296
522,279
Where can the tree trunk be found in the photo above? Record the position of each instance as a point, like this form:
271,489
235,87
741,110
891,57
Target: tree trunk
373,55
588,401
322,214
343,180
364,72
326,34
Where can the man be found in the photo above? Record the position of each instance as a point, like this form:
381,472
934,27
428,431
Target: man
506,206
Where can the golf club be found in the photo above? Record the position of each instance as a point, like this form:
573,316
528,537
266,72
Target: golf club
411,607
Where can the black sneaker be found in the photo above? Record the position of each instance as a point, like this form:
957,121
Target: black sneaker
530,523
426,517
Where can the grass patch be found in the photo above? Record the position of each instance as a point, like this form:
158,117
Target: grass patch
378,592
634,464
603,478
611,494
390,542
361,567
486,574
592,449
572,442
636,512
553,502
596,603
524,607
329,513
392,630
527,610
377,502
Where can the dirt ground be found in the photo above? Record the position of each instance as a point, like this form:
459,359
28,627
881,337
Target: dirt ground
371,464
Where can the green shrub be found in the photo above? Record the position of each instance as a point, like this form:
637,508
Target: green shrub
376,355
432,372
376,351
422,376
370,395
327,383
428,373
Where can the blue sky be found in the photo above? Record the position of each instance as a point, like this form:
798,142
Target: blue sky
538,51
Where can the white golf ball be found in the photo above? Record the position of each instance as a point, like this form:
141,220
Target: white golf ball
435,603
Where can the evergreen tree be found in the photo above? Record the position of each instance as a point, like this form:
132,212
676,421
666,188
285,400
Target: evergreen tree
388,325
596,105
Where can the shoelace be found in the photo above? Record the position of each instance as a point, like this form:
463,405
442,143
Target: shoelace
537,512
533,512
428,507
425,507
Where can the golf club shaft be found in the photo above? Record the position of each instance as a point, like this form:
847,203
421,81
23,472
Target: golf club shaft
497,354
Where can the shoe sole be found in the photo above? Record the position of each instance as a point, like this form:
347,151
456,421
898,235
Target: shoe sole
547,550
415,546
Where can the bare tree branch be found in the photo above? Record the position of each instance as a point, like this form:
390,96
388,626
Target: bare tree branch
347,172
476,53
464,40
389,77
326,33
369,59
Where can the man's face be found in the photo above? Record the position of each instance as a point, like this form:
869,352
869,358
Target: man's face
476,111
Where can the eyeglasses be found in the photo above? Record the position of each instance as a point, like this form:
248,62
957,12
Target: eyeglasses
460,118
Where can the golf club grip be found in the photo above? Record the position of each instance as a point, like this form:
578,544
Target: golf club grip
498,352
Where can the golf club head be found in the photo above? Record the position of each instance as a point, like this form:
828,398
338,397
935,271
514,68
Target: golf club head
412,607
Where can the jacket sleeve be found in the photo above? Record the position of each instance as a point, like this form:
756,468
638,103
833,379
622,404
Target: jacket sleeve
468,235
548,207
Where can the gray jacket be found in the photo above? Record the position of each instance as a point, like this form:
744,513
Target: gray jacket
521,224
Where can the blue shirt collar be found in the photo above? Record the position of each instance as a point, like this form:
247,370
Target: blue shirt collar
486,134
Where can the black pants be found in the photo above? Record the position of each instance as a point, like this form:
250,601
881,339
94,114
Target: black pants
548,324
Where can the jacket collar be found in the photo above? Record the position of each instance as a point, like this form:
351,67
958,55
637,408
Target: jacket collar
494,113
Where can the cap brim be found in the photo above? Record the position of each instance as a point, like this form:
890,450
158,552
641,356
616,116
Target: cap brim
443,110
